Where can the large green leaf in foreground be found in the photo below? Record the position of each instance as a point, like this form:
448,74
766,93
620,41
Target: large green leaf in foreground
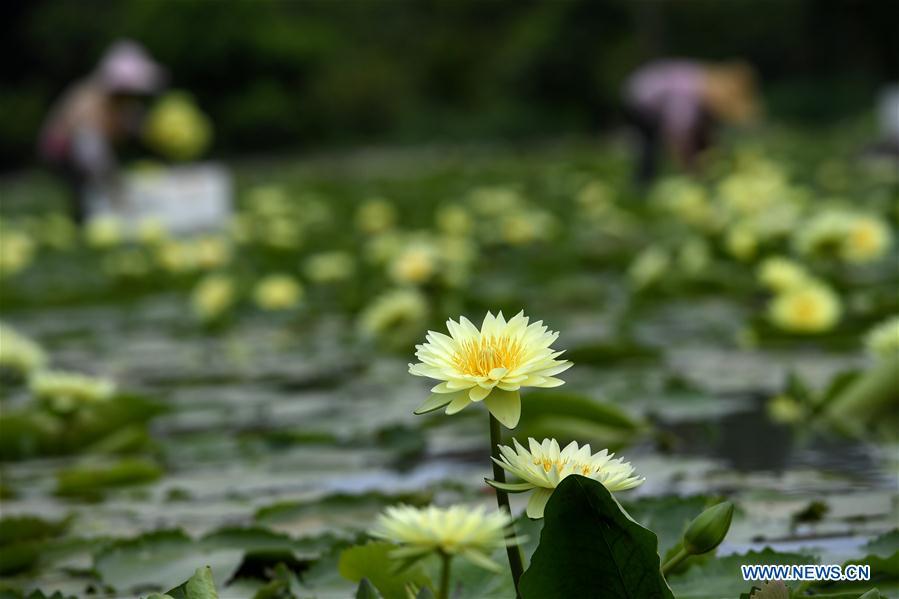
590,547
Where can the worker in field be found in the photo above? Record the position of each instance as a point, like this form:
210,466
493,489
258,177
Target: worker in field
678,104
94,116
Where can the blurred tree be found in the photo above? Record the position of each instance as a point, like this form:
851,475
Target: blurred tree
276,74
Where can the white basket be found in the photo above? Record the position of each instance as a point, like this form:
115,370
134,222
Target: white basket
183,199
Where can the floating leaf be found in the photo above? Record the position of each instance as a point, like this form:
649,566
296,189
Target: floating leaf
159,556
720,577
590,547
373,561
198,586
367,590
90,482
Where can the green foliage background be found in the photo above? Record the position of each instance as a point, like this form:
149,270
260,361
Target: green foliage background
276,74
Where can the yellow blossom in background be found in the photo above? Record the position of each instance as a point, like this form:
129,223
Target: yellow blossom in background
383,247
526,226
268,201
543,466
277,292
866,239
130,263
823,233
395,316
648,267
211,252
213,297
66,391
151,231
754,188
176,128
241,228
490,364
375,216
741,242
694,256
104,232
454,219
495,201
329,267
457,255
16,252
175,256
882,341
18,353
785,410
470,532
781,274
811,308
596,197
687,201
416,263
281,234
58,231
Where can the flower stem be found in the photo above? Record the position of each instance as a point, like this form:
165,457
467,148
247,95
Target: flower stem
502,501
444,576
675,560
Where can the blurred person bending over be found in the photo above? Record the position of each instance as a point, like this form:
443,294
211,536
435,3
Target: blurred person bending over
679,104
94,115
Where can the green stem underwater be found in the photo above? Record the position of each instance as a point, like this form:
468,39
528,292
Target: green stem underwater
675,561
502,501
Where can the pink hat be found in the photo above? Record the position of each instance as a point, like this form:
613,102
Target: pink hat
126,67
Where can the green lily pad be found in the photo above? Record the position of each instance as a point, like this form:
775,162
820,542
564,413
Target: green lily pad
590,547
372,561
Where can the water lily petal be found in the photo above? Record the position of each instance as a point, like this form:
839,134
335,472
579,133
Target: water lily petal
537,503
437,401
478,393
505,406
458,404
509,487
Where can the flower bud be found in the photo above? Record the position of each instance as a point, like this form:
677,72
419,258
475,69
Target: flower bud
708,529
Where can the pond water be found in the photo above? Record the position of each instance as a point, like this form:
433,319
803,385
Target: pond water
276,411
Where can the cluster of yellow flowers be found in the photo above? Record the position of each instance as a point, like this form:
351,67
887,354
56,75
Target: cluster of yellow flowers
64,392
18,353
61,392
176,128
801,303
849,236
882,341
491,364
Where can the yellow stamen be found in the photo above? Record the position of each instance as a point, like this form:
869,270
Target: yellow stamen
481,355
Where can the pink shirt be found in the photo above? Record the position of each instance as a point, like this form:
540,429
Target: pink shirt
670,91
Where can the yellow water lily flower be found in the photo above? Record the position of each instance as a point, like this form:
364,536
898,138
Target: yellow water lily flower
104,232
17,250
177,128
867,239
66,391
883,340
648,267
375,216
489,364
213,296
329,267
471,532
394,315
782,274
18,353
416,263
812,308
544,466
277,292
